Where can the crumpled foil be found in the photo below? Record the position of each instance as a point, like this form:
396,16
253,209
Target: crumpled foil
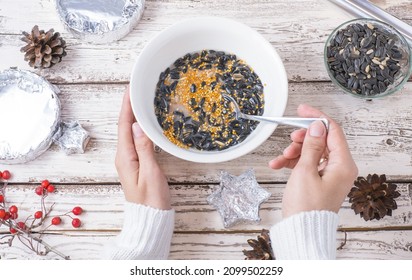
71,137
100,21
30,118
238,198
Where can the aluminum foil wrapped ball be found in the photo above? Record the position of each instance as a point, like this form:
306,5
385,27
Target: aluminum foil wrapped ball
100,21
30,114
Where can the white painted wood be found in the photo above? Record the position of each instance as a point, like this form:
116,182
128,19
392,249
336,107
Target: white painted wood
378,132
93,77
386,245
103,208
302,26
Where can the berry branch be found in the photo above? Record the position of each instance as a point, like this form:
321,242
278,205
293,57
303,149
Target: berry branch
30,231
343,243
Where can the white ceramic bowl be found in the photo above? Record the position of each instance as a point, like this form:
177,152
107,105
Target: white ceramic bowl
195,35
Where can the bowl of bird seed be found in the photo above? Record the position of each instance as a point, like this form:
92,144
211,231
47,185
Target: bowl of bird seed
368,58
178,80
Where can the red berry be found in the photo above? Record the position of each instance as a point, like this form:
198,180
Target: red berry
77,210
56,221
76,223
50,188
39,190
1,174
13,231
13,209
6,175
7,216
38,215
1,198
45,183
2,213
14,216
21,225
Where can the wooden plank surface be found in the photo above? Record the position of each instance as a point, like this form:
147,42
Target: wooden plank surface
93,77
380,139
388,245
285,24
103,208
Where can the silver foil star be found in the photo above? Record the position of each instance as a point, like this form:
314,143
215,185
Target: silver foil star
72,138
238,198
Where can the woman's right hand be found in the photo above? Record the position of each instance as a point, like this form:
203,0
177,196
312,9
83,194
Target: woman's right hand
308,188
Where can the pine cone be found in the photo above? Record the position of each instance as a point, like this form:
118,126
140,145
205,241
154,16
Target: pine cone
373,197
43,50
262,249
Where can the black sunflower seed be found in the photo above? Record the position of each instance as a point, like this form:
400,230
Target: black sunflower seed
193,88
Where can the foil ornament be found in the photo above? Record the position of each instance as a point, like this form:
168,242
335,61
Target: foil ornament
100,21
31,119
238,198
71,137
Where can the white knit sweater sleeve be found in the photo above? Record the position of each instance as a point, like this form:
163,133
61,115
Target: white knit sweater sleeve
307,235
146,234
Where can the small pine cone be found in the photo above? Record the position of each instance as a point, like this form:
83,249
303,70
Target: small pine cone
262,248
43,49
373,197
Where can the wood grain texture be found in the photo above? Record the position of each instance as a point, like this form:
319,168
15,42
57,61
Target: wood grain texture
103,208
92,79
379,138
302,26
386,245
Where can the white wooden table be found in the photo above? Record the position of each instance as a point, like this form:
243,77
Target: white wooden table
92,79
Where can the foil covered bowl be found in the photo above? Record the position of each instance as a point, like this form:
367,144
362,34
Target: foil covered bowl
100,21
30,114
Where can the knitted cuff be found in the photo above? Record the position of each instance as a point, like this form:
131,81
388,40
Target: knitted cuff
307,235
146,234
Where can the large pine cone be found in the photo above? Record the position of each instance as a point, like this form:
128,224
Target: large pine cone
43,49
262,248
373,197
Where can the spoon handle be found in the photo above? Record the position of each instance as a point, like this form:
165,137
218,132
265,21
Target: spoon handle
298,122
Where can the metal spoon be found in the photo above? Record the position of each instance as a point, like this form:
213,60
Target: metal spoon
298,122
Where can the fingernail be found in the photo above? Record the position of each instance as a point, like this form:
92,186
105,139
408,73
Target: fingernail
317,129
137,130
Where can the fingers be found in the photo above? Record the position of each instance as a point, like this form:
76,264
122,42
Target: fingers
125,146
313,147
309,146
337,147
282,162
292,153
293,150
336,137
298,135
142,145
126,119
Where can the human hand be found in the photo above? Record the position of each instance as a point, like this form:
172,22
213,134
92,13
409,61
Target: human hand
308,188
142,179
